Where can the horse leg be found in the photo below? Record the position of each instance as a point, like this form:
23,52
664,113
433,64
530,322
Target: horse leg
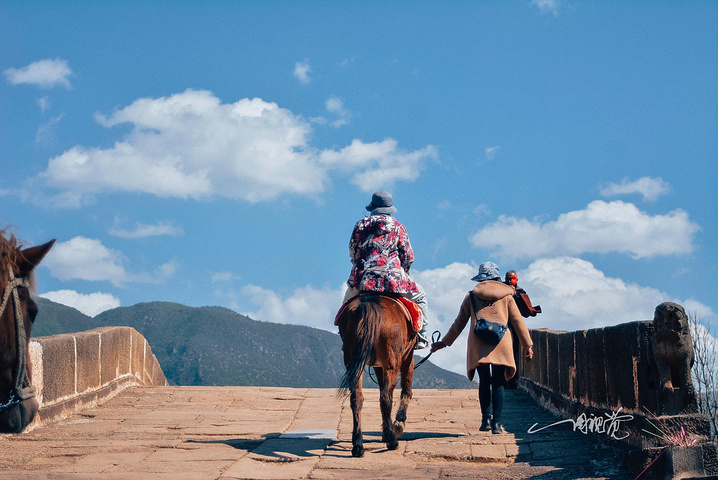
386,398
357,401
407,376
381,381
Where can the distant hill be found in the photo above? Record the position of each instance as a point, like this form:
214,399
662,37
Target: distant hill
218,346
55,318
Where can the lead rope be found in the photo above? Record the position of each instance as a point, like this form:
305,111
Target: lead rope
435,337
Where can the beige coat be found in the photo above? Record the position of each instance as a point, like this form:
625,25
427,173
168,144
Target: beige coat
495,303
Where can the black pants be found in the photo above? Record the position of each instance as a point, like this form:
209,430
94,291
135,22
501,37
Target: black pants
492,381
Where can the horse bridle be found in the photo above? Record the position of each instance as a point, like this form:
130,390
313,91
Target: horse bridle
18,393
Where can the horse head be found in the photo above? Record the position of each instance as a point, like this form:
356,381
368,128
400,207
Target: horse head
18,404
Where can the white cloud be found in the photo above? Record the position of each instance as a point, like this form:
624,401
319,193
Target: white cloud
347,61
190,145
649,188
90,304
90,170
703,311
336,106
142,230
88,259
601,228
491,152
482,210
306,306
65,199
45,134
378,164
43,73
38,198
575,295
44,103
162,273
547,6
302,71
445,289
222,277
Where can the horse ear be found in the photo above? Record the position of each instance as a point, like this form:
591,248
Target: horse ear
31,257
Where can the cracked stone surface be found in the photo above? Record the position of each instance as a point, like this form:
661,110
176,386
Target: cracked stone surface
229,433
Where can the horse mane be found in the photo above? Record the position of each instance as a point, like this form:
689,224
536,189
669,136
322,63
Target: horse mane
11,254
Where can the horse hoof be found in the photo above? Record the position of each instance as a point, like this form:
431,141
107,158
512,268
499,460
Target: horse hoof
358,451
392,445
398,429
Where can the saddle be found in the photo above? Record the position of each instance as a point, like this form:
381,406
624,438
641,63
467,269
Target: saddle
411,309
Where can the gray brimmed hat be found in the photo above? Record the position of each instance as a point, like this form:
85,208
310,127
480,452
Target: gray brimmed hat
487,271
381,203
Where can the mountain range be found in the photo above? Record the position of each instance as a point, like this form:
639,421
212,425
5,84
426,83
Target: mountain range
218,346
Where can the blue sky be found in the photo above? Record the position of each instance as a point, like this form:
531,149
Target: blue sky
220,154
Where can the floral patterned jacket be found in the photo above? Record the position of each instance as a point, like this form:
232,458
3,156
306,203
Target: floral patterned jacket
381,254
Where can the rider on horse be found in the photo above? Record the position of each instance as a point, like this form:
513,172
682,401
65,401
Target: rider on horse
381,256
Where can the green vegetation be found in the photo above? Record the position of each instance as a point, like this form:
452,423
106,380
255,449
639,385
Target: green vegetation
54,318
217,346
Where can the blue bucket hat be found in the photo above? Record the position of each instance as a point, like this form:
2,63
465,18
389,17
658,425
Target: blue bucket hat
382,203
487,271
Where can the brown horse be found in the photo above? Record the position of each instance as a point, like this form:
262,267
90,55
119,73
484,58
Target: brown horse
375,331
17,312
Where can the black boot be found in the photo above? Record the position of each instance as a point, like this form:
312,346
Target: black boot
496,427
484,424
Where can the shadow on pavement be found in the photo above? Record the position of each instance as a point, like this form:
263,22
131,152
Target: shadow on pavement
423,435
273,447
238,443
573,453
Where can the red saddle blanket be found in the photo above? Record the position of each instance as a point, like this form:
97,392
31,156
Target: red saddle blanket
412,309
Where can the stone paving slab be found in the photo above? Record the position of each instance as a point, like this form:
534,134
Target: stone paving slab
232,433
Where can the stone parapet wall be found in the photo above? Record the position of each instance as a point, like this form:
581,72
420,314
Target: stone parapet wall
607,368
80,370
595,374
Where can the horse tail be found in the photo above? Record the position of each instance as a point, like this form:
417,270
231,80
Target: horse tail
366,330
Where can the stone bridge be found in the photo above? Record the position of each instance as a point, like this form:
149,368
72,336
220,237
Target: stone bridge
107,412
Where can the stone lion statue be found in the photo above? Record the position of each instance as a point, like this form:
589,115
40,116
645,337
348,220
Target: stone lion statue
673,348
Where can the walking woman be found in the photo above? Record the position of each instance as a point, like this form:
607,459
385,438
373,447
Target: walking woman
491,304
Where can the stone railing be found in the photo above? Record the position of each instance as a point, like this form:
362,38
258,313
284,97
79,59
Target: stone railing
595,375
79,370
